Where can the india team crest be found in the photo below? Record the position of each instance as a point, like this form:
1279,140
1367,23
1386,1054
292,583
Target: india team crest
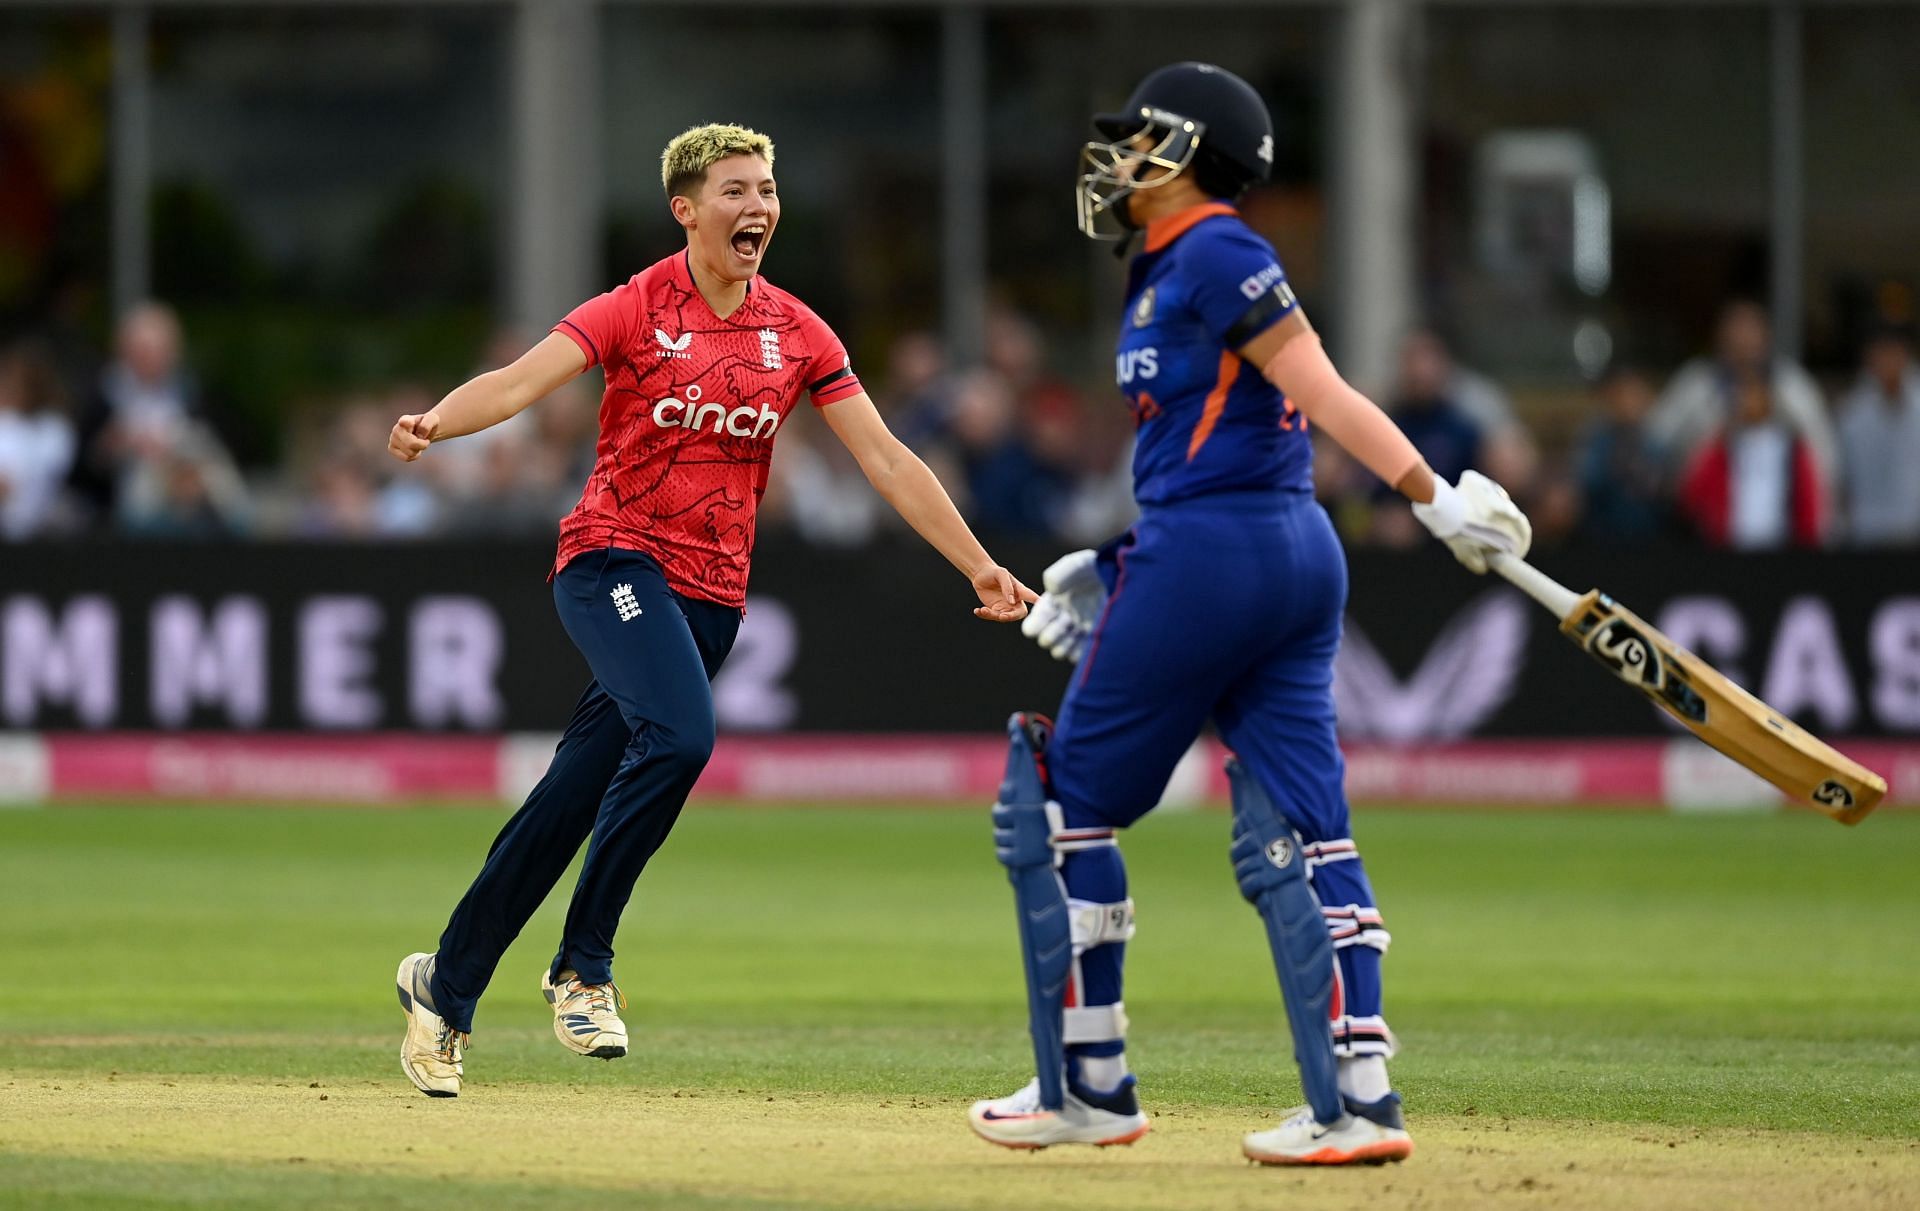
1143,310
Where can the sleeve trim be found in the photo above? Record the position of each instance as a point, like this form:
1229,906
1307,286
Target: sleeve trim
581,338
1268,310
821,384
845,388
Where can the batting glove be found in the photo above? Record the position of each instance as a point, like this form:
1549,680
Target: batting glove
1476,519
1063,619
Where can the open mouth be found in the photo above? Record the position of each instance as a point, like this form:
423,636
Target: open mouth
748,241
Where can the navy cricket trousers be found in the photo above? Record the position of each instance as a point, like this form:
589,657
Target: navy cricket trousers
639,737
1224,607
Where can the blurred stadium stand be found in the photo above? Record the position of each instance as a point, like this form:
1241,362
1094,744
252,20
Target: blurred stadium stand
1542,222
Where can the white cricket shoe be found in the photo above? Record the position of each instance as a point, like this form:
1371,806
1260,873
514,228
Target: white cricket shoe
1086,1117
1370,1134
586,1017
431,1054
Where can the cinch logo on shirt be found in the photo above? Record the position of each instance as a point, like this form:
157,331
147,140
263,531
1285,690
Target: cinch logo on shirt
690,413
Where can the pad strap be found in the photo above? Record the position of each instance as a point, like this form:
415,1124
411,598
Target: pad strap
1319,853
1096,1023
1072,840
1356,925
1361,1036
1099,924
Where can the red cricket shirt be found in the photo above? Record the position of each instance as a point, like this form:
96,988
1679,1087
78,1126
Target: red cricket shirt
687,424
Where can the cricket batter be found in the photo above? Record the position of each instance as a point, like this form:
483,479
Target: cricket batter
1223,602
704,360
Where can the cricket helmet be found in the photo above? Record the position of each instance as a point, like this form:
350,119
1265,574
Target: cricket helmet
1198,116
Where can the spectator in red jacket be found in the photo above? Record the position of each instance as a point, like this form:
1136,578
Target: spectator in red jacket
1755,484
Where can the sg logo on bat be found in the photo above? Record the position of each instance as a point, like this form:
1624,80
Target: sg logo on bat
1833,794
1626,651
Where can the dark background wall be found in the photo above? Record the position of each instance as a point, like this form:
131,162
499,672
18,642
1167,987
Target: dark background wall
462,637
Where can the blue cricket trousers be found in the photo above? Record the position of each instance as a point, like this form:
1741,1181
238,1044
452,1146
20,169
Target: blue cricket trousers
1227,608
639,737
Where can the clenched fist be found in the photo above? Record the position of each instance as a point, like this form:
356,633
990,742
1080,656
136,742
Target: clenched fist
412,434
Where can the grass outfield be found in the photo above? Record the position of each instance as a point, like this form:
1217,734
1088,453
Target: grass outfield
1630,1010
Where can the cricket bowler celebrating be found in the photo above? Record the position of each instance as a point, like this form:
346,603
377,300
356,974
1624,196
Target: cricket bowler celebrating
704,360
1222,602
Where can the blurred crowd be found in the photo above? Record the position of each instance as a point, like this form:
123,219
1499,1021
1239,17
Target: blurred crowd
1738,448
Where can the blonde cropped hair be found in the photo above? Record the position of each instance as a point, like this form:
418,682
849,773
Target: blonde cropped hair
684,164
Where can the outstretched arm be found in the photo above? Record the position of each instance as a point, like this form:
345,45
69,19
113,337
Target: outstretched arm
1474,518
1290,356
913,490
486,400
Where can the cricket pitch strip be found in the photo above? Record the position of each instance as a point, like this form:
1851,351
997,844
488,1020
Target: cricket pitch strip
127,1140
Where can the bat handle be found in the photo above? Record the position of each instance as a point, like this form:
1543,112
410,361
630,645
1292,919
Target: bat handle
1558,598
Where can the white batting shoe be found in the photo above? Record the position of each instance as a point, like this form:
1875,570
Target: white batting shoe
1085,1117
431,1054
586,1017
1370,1134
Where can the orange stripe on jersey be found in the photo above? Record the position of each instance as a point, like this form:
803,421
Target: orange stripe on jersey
1166,230
1216,402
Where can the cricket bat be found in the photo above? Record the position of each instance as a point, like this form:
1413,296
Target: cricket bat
1728,718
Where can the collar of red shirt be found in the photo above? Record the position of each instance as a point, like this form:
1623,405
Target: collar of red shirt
683,273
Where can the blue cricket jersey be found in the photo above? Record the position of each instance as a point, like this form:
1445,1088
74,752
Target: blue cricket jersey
1207,421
